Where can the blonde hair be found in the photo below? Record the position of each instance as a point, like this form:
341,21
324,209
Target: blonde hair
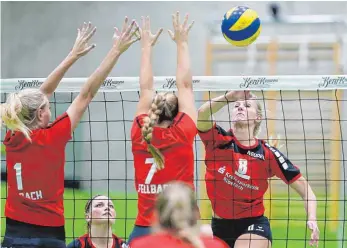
272,141
163,107
176,207
19,113
259,109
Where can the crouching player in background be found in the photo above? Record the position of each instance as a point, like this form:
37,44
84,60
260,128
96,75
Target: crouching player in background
177,222
100,216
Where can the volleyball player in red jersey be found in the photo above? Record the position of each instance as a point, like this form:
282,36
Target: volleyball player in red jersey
35,150
238,166
100,215
164,128
177,222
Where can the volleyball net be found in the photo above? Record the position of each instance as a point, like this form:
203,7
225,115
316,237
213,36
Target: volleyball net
307,113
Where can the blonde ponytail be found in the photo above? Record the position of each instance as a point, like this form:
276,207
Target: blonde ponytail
11,115
20,111
147,129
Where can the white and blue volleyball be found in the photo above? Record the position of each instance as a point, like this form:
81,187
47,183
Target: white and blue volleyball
241,26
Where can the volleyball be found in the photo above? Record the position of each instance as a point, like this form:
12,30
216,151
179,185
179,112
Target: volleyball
241,26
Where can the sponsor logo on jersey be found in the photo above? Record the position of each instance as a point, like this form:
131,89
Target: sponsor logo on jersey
256,155
221,170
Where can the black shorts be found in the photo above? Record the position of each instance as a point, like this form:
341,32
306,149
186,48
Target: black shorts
230,230
20,234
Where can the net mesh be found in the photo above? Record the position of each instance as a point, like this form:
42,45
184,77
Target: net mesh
311,127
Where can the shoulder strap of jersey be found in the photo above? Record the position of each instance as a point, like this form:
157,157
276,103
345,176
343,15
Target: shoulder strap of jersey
83,241
118,242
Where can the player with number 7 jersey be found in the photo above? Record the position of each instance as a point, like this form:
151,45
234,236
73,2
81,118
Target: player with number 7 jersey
163,131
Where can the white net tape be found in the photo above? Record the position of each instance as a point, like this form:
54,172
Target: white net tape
201,83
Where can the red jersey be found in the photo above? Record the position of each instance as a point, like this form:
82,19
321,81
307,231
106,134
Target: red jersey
237,176
169,241
85,242
176,144
35,174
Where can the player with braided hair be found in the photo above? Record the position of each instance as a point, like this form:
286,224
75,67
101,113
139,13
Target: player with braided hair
164,127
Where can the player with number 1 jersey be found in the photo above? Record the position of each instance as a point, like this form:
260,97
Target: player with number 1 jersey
163,130
35,149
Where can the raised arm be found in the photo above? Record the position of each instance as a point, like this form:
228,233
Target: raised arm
184,80
303,188
148,40
122,41
212,106
80,48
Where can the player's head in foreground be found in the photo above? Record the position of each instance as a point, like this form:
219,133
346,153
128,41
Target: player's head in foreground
25,111
99,213
177,213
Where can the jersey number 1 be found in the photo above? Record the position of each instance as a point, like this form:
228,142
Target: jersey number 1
18,168
152,170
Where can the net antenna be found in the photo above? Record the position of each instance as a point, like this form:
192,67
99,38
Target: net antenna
304,40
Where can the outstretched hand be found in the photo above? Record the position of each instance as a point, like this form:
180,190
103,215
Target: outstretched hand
124,39
180,33
312,225
81,46
147,38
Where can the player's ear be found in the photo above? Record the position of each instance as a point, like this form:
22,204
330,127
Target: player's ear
87,216
39,113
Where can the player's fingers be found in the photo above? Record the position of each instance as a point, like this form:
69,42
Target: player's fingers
174,21
135,32
177,18
130,27
185,21
157,35
143,23
91,33
89,26
84,27
88,48
125,24
116,31
171,34
78,33
148,23
191,25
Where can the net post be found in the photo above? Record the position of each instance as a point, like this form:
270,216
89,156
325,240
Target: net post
272,56
335,147
205,206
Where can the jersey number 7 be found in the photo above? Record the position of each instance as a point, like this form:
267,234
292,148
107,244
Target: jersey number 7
151,171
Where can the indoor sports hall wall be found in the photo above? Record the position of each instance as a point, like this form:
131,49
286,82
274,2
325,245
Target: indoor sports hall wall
37,36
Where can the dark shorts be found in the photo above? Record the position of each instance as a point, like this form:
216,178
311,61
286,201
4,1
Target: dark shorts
139,231
19,234
230,230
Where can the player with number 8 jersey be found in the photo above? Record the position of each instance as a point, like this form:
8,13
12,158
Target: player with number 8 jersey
163,130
